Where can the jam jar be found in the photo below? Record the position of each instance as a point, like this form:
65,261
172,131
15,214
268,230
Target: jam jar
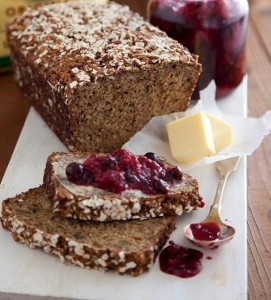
215,30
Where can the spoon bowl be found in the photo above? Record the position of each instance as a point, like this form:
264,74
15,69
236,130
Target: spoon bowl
212,232
226,234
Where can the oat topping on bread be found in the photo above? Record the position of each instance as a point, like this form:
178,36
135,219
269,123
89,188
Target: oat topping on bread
125,247
91,41
90,203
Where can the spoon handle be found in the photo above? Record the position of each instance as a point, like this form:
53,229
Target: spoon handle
214,214
225,168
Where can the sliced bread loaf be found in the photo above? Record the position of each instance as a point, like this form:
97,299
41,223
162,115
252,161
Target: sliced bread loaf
126,247
98,73
90,203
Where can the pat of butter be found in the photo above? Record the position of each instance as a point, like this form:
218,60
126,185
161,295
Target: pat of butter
198,135
191,138
222,132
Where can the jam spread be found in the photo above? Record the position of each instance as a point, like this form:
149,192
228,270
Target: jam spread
121,170
213,29
207,231
180,261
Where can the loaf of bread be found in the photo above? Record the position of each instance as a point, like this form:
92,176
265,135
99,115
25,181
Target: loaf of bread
90,203
97,73
125,247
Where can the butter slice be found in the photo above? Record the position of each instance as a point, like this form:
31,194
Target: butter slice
191,138
222,132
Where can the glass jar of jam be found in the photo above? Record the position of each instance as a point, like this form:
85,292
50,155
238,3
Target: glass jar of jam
213,29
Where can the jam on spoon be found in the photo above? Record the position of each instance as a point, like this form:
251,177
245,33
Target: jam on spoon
206,231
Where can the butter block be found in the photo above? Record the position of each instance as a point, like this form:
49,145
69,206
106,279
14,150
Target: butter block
191,138
222,132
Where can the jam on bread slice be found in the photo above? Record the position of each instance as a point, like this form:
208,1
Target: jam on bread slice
124,247
118,186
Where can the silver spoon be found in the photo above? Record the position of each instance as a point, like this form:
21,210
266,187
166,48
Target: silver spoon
212,232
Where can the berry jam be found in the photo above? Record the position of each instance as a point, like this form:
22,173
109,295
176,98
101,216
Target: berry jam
121,170
213,29
208,231
180,261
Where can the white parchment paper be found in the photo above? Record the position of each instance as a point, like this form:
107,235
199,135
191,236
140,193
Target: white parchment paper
248,133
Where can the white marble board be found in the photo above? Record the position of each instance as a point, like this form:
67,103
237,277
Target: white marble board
32,272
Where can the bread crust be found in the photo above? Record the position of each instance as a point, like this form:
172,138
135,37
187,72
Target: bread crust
110,206
55,235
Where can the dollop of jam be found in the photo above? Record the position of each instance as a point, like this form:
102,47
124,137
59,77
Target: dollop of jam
180,261
122,170
208,231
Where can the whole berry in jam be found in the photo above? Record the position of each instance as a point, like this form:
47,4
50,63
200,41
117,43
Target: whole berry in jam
176,173
74,171
152,156
87,178
161,186
110,162
130,176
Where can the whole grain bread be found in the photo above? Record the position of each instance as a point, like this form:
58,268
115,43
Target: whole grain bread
97,73
89,203
125,247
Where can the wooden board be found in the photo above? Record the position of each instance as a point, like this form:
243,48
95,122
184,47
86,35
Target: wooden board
29,271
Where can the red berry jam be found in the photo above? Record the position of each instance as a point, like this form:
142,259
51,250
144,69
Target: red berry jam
213,29
121,170
208,231
180,261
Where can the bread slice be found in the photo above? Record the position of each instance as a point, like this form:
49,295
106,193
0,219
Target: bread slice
89,203
126,247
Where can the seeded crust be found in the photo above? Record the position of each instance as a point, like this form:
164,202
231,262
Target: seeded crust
124,247
97,73
103,206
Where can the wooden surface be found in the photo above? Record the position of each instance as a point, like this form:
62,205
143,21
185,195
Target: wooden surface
13,110
259,164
